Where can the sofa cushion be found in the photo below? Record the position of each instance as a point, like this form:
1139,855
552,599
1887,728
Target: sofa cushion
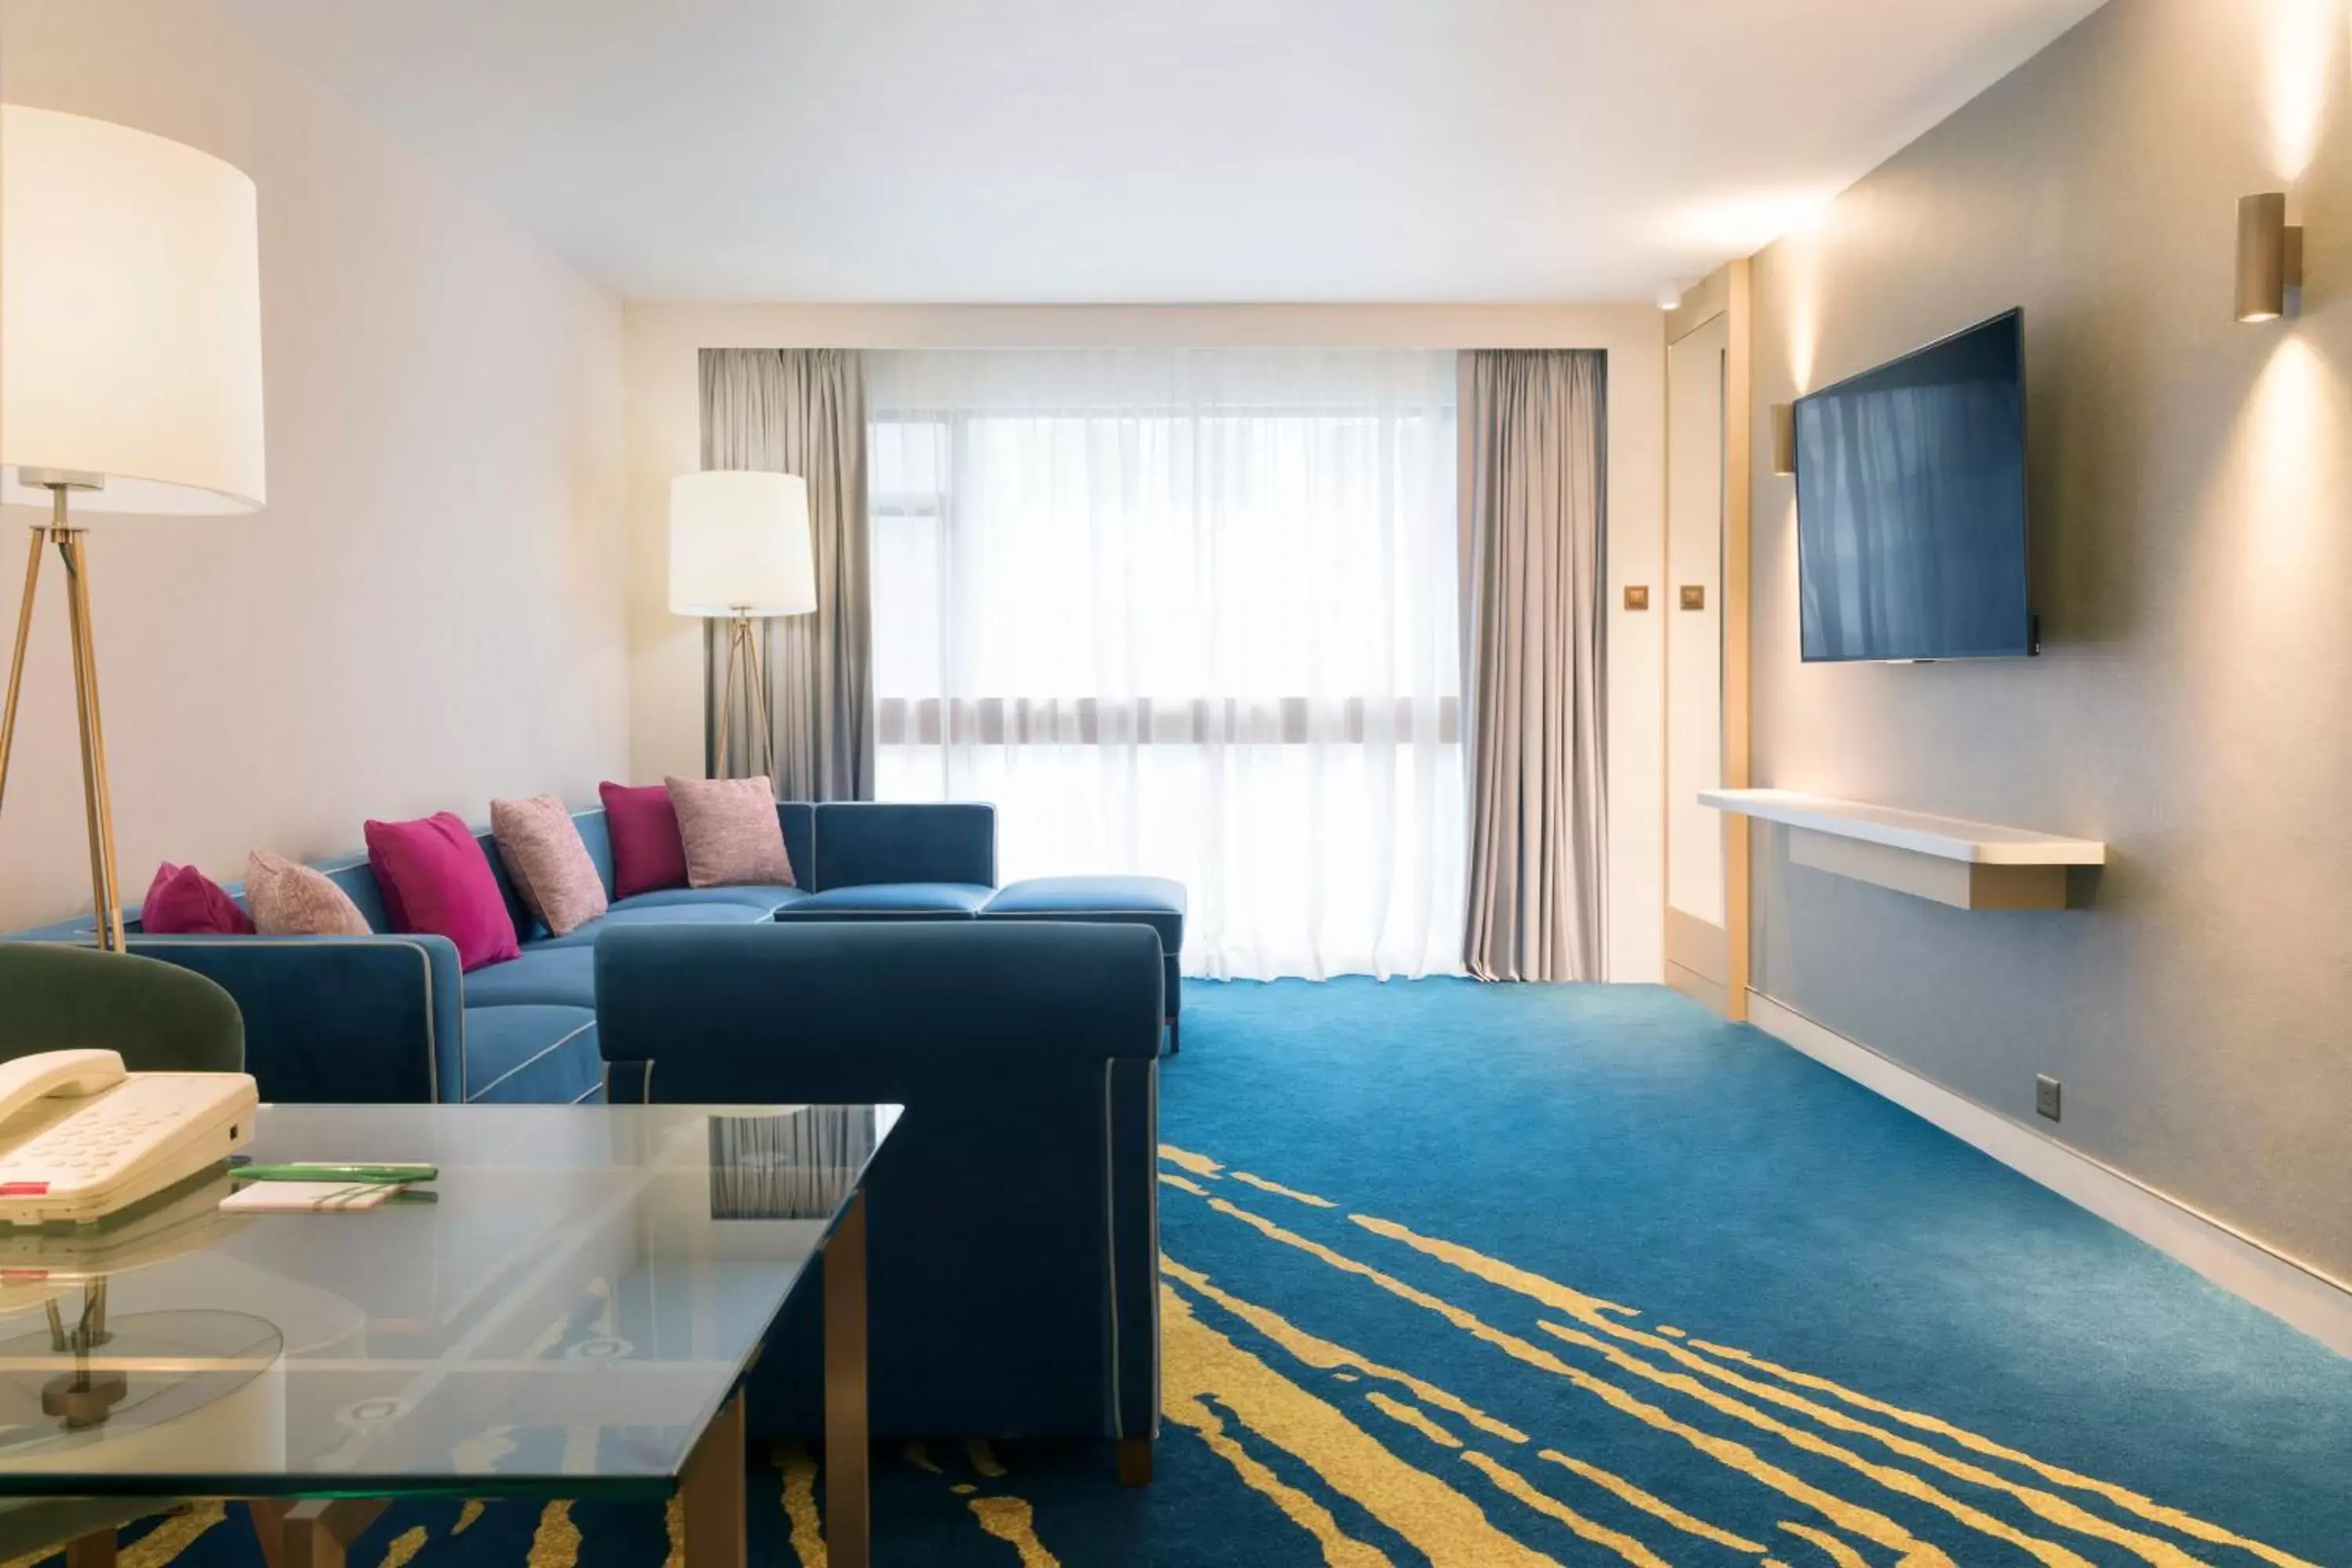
1154,901
764,897
531,1055
288,900
656,914
435,878
732,834
547,861
183,902
545,976
891,902
641,825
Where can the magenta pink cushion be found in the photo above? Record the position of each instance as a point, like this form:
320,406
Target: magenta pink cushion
647,852
183,902
436,879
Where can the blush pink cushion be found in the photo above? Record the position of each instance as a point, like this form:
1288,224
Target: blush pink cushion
436,879
547,862
647,853
183,902
730,832
288,900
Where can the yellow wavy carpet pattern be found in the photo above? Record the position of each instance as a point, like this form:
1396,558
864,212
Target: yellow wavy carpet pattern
1460,1486
1730,1407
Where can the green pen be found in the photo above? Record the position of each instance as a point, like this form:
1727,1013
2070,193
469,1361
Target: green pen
374,1175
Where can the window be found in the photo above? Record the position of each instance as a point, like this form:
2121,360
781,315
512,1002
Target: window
1187,612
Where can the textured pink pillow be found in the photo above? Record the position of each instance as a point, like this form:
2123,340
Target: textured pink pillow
289,900
183,902
646,851
547,862
435,878
730,833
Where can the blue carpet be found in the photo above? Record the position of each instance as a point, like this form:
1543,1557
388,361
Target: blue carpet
1494,1274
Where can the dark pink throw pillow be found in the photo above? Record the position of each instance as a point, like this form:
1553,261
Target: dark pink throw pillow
647,852
436,879
183,902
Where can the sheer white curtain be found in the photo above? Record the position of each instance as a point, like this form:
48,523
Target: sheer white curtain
1187,612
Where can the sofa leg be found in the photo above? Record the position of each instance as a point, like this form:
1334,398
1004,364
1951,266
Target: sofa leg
1175,1039
1135,1461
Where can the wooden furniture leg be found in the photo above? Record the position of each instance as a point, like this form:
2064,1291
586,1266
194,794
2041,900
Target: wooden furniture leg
1135,1461
711,1492
848,1524
268,1516
318,1532
95,1550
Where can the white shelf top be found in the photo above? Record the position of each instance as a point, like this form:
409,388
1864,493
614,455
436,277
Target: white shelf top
1947,838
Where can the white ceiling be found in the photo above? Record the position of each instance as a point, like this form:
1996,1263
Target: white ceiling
1208,151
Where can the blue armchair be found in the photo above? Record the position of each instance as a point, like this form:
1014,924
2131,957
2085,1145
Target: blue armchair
1014,1215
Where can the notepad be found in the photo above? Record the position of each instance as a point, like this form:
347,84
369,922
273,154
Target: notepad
286,1197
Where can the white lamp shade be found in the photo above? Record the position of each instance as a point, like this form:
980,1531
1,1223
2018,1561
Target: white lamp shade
739,544
130,318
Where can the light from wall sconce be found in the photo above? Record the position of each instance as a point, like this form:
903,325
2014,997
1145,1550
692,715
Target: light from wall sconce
2270,257
1784,438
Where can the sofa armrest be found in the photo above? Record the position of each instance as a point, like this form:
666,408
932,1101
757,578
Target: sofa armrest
373,1019
861,843
1021,1185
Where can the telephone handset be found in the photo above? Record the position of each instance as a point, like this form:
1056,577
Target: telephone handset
81,1139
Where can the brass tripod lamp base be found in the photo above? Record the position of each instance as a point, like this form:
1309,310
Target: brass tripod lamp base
106,900
745,688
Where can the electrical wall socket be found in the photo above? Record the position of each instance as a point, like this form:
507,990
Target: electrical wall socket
2045,1097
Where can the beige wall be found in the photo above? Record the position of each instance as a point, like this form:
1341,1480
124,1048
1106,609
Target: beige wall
666,669
2191,489
431,609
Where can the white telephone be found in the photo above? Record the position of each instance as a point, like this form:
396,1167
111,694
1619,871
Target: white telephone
81,1139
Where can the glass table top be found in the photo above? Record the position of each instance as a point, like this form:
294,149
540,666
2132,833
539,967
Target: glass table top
561,1315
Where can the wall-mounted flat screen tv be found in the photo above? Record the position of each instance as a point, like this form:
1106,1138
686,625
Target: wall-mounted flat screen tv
1911,531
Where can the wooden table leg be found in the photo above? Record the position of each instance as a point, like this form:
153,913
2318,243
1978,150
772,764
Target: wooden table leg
318,1532
849,1523
95,1550
269,1515
711,1492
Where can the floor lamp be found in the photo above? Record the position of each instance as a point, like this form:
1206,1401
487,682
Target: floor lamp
740,552
129,374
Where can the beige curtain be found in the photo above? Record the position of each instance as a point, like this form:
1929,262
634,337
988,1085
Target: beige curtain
803,411
1533,590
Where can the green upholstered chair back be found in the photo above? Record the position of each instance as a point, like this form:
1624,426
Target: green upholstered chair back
159,1017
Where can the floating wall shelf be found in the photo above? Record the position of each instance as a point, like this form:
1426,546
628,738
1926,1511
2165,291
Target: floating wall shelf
1969,865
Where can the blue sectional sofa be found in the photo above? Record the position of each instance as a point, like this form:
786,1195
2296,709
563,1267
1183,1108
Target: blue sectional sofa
389,1017
1013,1216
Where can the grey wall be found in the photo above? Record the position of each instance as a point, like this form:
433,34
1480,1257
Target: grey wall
2193,493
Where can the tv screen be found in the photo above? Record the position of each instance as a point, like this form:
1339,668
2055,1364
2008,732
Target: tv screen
1911,538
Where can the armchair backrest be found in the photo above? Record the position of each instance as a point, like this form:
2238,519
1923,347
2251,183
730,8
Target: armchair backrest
159,1017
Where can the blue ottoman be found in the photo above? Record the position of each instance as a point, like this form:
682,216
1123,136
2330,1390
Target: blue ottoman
1154,901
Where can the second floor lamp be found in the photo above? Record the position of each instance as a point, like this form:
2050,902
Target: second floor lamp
740,552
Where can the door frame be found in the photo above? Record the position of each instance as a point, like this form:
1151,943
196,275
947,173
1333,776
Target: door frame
1691,946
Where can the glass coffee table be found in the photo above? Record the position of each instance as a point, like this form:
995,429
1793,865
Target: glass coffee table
567,1313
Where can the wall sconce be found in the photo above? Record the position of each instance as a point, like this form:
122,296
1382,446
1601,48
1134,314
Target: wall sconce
2270,257
1784,438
